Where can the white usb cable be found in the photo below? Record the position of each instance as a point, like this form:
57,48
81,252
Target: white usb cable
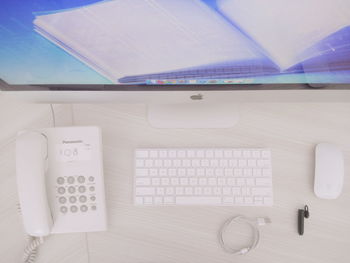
254,224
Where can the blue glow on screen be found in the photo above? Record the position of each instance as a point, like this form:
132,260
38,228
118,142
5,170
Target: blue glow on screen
27,57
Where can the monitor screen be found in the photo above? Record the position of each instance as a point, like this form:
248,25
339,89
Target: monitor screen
167,42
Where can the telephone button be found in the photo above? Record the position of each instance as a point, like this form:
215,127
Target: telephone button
81,179
83,208
63,209
71,179
81,189
73,209
93,207
92,188
91,178
92,198
60,180
71,189
82,199
72,199
61,190
62,200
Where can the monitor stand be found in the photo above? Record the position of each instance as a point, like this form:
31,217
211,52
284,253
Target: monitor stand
193,115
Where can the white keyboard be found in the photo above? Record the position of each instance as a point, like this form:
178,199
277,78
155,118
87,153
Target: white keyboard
220,177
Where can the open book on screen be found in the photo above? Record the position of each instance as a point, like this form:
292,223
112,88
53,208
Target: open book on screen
131,41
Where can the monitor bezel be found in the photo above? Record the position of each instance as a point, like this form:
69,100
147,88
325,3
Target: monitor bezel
4,86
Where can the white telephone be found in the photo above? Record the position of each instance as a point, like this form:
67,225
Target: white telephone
60,180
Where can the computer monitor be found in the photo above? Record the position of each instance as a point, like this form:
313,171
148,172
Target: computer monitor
190,60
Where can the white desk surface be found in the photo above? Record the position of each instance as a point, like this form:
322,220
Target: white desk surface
189,234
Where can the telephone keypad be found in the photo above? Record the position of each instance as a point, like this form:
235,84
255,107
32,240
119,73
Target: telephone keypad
81,179
60,180
72,199
61,190
71,180
73,195
83,208
81,189
62,200
71,189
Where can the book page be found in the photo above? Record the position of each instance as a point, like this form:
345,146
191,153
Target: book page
132,37
286,29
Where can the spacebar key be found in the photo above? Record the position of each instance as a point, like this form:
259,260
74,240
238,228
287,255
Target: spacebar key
198,200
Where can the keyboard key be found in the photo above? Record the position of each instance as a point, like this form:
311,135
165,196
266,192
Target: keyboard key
266,172
193,181
183,181
248,200
164,181
236,190
188,191
145,191
148,163
160,191
163,154
207,191
143,181
141,154
174,181
169,191
141,172
228,200
239,200
230,181
203,200
228,154
212,181
158,163
197,191
242,163
233,163
202,181
240,181
169,200
226,191
266,154
152,154
155,181
218,154
209,154
221,181
140,163
219,172
172,154
179,190
158,200
217,191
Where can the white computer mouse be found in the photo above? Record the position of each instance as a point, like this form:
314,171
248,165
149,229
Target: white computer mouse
329,171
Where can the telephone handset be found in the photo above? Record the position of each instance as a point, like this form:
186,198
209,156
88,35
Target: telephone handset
60,180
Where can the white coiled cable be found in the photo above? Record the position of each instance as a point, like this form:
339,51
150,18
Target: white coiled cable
254,223
31,249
